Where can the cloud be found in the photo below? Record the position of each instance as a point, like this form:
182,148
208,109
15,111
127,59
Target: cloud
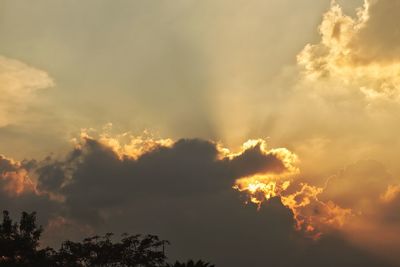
103,176
106,172
371,192
14,179
359,185
339,116
335,108
340,110
18,189
378,33
358,53
19,83
181,190
312,215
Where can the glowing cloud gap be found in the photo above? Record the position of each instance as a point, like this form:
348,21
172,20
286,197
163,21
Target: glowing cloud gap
312,215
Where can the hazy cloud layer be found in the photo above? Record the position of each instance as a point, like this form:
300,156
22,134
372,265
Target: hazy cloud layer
205,64
19,83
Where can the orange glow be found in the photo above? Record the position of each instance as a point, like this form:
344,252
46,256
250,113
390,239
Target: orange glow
261,188
19,181
227,153
287,158
16,182
125,144
391,193
310,214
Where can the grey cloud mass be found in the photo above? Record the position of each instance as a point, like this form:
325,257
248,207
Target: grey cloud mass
182,193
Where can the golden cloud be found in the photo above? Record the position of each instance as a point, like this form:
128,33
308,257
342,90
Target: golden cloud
360,52
18,85
14,178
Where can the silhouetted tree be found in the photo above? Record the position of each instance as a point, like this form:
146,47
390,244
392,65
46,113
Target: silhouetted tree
19,247
191,264
19,242
132,251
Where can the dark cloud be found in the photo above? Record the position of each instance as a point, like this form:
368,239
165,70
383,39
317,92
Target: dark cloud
51,176
254,161
183,193
6,165
100,178
17,192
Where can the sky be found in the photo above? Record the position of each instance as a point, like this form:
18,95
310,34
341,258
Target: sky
248,133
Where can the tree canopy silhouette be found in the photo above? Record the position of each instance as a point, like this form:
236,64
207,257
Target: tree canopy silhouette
19,246
191,264
19,242
135,250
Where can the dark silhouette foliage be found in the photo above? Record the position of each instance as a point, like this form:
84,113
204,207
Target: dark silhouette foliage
191,264
134,250
19,242
19,247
